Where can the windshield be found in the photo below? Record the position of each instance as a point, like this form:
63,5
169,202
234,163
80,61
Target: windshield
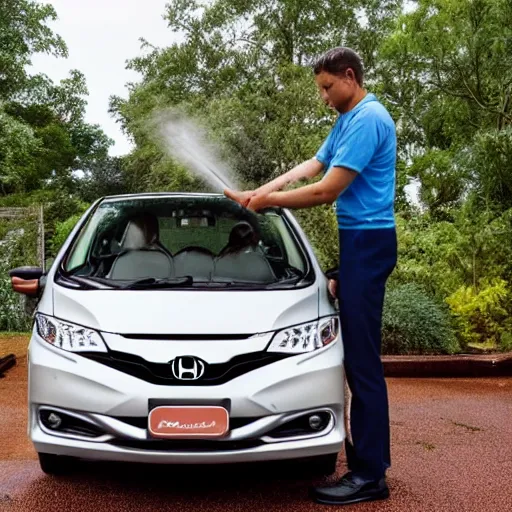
159,240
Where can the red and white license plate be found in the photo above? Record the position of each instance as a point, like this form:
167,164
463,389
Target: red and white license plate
188,422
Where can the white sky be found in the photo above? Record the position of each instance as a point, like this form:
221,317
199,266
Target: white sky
101,35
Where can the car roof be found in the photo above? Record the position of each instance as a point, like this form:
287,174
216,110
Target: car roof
149,195
141,195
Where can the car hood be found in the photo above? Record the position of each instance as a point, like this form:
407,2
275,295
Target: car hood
185,312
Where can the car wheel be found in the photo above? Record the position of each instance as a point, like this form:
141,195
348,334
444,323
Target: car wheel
55,464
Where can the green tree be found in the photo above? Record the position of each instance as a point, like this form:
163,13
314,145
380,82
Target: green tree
243,69
448,73
17,145
24,32
43,134
64,142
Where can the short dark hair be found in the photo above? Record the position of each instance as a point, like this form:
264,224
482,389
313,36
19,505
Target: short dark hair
337,60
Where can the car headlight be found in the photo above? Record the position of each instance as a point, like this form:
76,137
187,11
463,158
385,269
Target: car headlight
305,337
70,337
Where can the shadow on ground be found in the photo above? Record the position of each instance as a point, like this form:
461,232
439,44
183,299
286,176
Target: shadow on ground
94,486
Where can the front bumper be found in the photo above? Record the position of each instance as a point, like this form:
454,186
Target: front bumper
233,449
266,398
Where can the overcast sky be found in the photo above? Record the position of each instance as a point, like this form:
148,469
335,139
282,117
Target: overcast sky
101,35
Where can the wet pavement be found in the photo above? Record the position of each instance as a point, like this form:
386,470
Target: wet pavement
451,451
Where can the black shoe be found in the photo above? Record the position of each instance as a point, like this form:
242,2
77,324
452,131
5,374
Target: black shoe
351,489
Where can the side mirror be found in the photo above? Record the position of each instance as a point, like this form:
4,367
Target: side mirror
332,273
333,277
26,280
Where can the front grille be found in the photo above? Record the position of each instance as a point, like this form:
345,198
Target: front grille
186,445
161,373
187,337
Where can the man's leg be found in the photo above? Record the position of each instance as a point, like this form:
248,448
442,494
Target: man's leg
367,257
369,425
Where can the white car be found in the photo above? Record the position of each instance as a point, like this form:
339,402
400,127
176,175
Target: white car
184,329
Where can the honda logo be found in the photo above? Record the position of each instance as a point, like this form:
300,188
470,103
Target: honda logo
187,368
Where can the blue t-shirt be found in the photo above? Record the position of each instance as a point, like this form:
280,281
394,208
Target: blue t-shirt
364,140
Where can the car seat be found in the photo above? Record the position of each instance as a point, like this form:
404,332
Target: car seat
142,253
240,259
194,261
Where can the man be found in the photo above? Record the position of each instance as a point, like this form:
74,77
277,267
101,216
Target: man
358,158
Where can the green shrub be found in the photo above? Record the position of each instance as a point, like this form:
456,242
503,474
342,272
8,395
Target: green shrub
506,342
18,241
13,316
482,316
58,205
62,231
413,323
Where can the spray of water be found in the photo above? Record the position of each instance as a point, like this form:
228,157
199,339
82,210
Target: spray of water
187,142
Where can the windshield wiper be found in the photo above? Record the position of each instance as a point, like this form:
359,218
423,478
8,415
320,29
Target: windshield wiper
289,282
90,282
99,283
153,282
232,284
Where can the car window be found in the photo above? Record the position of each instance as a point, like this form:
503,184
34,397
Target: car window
195,231
207,237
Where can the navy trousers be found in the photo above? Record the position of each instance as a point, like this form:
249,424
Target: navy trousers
367,258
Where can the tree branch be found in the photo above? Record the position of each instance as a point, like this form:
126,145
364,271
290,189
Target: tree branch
506,103
471,96
253,43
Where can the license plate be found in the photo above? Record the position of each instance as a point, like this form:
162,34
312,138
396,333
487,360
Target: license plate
188,422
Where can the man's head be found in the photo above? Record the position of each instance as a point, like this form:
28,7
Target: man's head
339,77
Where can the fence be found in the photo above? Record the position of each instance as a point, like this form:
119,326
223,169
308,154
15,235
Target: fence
13,228
21,243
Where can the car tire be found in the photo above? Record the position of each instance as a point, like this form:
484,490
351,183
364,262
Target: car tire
55,464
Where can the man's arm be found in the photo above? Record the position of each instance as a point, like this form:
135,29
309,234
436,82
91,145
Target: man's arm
308,169
323,192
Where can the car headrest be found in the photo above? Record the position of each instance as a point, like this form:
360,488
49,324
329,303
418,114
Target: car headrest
141,231
242,236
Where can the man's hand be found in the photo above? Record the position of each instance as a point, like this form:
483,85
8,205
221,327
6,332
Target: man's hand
242,198
259,201
249,199
333,287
